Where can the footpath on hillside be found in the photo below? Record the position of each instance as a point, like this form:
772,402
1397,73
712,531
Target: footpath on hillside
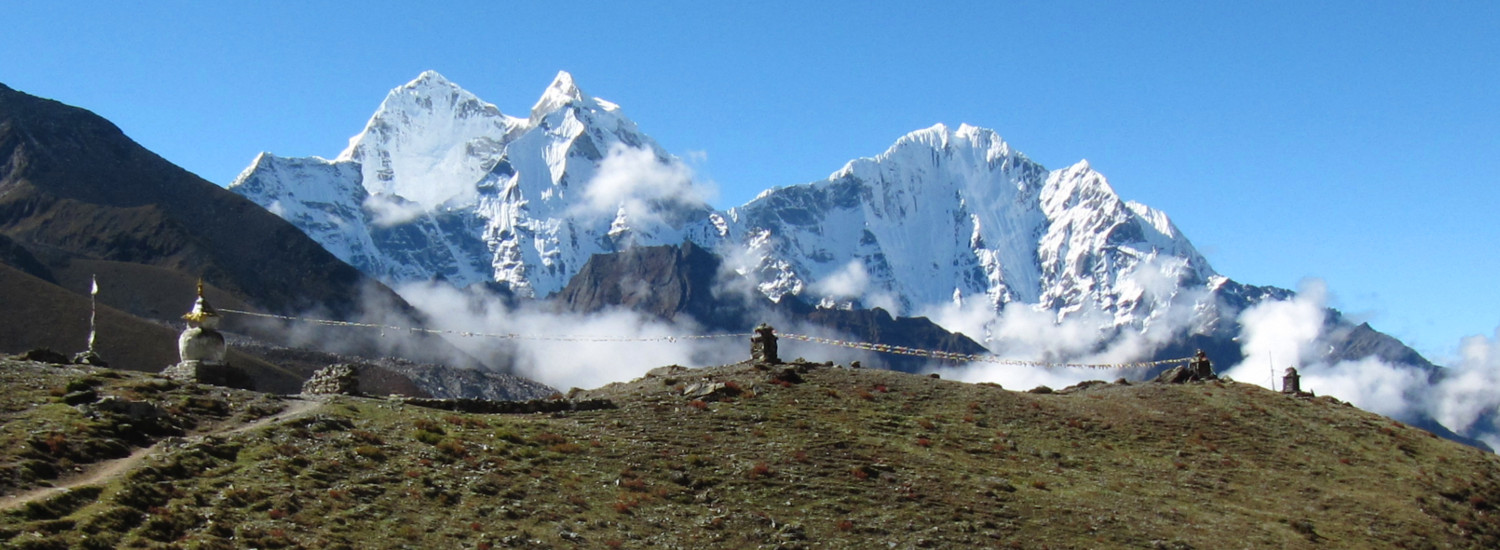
108,470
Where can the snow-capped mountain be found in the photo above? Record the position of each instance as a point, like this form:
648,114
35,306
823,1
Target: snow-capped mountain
442,184
957,215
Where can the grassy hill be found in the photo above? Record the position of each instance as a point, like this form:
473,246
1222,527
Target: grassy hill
741,457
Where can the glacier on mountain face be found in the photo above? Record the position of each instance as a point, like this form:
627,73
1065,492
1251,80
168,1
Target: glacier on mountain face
440,184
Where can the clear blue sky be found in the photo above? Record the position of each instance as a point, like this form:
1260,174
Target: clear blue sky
1358,142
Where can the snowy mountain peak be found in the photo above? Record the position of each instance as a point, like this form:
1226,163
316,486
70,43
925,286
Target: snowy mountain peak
429,79
562,91
442,184
425,143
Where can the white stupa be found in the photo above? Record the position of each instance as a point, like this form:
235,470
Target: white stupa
201,341
201,349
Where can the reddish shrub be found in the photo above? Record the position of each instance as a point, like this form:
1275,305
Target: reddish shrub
760,469
924,442
548,438
698,404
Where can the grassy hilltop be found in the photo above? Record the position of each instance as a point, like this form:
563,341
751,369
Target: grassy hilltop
729,457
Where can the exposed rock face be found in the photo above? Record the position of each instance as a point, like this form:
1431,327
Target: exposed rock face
671,282
338,379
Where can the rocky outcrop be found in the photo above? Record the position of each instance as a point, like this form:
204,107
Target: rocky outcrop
338,379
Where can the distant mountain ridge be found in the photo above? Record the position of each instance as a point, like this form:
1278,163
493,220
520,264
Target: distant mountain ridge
669,282
442,184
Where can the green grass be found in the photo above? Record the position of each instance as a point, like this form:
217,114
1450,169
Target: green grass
847,458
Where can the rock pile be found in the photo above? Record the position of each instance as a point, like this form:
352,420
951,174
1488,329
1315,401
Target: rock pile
340,379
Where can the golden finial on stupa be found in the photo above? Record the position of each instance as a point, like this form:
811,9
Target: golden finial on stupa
201,310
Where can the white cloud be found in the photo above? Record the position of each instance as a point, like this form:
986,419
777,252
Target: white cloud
1282,333
848,283
636,182
388,210
565,364
1467,393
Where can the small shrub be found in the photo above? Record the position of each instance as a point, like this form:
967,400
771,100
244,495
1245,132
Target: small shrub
430,438
924,442
364,436
566,448
510,435
427,425
548,438
845,525
276,513
860,473
925,423
1039,485
698,404
452,447
56,444
370,451
800,456
865,395
759,470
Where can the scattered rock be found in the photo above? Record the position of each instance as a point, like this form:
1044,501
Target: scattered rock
340,379
710,391
483,406
215,374
90,358
44,355
80,397
1082,386
788,375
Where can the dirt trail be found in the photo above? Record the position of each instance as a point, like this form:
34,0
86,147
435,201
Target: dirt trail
101,472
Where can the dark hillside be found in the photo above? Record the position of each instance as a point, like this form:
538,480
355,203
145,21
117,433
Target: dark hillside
72,186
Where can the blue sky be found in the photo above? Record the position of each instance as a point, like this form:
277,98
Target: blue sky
1357,142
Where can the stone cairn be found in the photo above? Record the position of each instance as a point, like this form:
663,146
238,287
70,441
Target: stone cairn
1291,382
339,379
1199,369
763,345
201,349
